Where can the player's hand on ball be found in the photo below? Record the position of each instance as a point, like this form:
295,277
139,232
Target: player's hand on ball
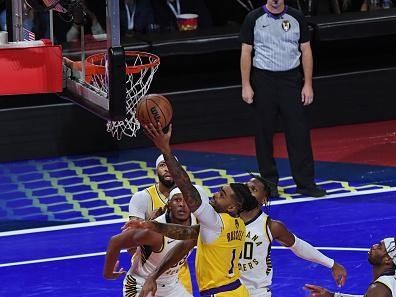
158,137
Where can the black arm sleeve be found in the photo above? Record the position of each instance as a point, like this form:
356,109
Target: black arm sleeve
246,34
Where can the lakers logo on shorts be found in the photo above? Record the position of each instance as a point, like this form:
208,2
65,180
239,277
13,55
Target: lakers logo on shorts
130,286
286,25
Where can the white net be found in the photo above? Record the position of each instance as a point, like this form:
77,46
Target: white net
140,70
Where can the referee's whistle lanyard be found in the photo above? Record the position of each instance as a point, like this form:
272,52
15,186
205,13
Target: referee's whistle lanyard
175,10
130,15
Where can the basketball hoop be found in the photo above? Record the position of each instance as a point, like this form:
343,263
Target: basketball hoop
140,69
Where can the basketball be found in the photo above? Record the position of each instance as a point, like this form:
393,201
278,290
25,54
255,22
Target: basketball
154,108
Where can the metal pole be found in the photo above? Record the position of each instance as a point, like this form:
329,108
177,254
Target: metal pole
17,20
51,25
113,23
9,27
82,34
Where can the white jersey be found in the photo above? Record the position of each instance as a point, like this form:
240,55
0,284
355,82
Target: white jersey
255,262
144,262
389,280
145,201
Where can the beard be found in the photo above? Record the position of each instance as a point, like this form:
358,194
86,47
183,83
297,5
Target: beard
374,261
216,207
167,183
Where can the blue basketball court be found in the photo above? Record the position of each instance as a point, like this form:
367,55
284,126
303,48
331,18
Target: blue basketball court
85,199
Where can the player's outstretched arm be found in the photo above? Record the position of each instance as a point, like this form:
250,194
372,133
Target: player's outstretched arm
180,176
175,255
306,251
317,291
170,230
125,240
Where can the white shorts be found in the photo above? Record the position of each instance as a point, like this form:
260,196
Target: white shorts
259,292
133,285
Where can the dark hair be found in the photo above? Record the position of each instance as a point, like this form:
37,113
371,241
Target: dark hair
266,183
243,196
267,189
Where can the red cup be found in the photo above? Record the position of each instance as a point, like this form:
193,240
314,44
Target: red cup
187,21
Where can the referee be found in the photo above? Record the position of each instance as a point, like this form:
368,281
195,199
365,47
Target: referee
274,38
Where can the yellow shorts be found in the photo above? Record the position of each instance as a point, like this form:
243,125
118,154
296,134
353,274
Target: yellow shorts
185,277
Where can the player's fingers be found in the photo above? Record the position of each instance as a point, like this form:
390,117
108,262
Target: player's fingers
116,265
342,280
147,131
169,130
130,225
152,129
312,287
159,128
145,292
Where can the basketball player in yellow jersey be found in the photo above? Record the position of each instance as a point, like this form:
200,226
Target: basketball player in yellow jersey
221,235
155,197
150,202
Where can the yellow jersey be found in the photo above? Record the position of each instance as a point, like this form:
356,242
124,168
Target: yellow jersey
217,262
157,198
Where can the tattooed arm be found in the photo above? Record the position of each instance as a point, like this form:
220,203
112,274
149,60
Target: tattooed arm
175,231
180,176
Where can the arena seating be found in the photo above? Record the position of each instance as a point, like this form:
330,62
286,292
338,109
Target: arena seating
355,71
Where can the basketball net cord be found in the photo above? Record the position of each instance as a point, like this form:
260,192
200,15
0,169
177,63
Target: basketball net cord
139,75
137,86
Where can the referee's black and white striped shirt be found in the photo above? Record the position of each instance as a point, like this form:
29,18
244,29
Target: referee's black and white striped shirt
275,38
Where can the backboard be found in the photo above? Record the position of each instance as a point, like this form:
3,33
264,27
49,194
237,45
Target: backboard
109,81
98,74
107,100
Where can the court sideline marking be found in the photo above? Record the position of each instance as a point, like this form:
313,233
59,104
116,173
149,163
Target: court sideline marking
116,221
124,251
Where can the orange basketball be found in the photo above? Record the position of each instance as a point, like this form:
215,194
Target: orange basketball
154,108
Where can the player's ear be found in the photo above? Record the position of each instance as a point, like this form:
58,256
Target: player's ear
233,208
388,260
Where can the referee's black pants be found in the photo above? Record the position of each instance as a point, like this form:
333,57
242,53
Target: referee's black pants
279,93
